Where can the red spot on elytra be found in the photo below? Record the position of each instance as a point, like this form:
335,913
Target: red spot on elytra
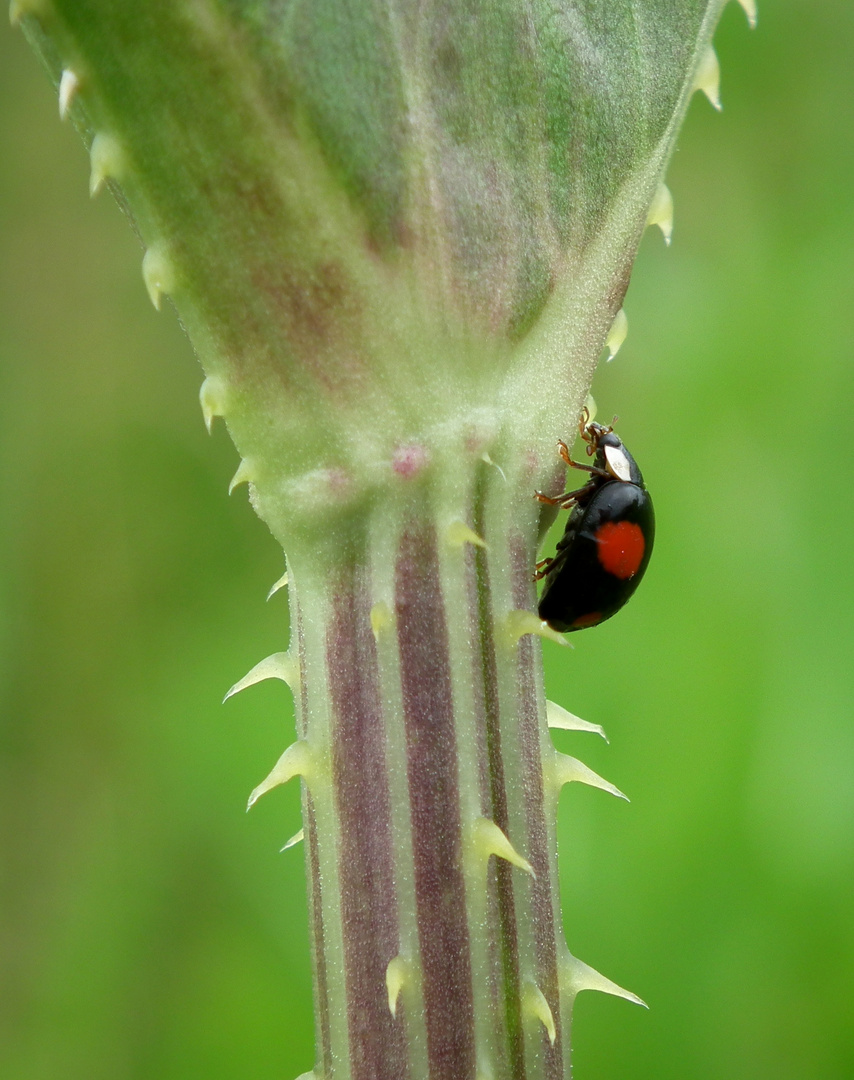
621,548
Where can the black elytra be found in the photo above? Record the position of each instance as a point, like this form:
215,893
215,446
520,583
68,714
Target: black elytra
605,549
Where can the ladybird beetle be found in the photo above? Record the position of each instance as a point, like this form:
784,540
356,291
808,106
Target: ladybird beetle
604,551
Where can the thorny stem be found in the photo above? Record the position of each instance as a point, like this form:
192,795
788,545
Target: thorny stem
430,797
422,251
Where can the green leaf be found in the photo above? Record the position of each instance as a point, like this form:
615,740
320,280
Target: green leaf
382,224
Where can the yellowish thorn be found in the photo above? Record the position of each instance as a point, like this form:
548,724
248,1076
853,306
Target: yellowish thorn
212,399
280,584
617,334
490,840
518,623
106,161
534,1004
750,11
381,619
312,1075
590,406
157,273
558,717
397,975
486,458
708,77
297,838
245,474
577,976
563,769
296,761
69,84
20,9
458,533
278,666
661,212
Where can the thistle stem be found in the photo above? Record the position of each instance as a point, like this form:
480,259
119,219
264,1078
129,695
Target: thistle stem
421,710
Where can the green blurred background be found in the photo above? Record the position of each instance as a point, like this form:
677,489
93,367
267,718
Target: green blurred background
149,928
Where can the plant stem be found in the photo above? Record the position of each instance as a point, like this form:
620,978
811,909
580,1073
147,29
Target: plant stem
424,732
421,250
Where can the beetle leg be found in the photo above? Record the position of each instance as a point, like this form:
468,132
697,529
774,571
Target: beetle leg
563,450
542,568
565,501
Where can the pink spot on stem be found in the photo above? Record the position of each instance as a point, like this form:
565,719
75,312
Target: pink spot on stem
408,461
